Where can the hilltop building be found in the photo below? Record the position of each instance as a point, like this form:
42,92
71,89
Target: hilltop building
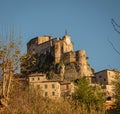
62,51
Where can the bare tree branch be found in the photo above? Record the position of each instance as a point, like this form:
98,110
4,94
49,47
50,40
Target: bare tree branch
9,59
113,46
115,25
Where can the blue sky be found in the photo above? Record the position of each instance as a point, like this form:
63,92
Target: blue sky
88,22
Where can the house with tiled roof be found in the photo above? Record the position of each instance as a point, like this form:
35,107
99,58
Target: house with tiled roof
50,88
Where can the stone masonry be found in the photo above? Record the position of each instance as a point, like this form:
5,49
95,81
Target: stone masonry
62,51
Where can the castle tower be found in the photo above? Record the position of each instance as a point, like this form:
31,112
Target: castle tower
81,57
57,50
67,44
85,69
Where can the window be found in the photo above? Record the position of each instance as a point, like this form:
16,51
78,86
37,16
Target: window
53,85
53,93
46,94
46,86
38,78
38,86
32,79
67,86
109,98
100,76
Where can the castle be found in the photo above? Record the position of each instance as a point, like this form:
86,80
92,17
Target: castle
62,51
57,47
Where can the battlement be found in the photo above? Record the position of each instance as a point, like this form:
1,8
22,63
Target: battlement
74,56
39,40
39,45
42,39
69,57
60,48
57,46
66,38
81,56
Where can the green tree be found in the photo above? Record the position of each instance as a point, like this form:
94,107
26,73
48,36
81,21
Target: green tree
34,63
116,84
90,96
29,64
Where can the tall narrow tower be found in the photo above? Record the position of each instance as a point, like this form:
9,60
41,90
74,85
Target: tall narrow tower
85,69
57,50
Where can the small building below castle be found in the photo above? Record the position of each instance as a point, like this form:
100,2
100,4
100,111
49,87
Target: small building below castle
49,88
105,78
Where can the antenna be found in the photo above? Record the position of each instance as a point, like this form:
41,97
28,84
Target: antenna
65,31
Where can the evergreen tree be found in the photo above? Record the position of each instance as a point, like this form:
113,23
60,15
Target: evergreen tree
31,63
116,84
89,95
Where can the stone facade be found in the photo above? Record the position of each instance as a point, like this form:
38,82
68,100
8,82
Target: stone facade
39,45
85,69
49,88
105,78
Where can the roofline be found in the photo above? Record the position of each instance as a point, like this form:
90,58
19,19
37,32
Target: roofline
48,81
45,81
105,70
37,74
37,38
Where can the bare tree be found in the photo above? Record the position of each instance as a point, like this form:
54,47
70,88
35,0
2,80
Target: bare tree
115,26
117,29
9,59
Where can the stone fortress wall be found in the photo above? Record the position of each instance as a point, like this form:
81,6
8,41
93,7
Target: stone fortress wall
61,49
39,45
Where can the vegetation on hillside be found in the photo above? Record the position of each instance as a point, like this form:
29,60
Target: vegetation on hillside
26,101
116,86
90,96
34,63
